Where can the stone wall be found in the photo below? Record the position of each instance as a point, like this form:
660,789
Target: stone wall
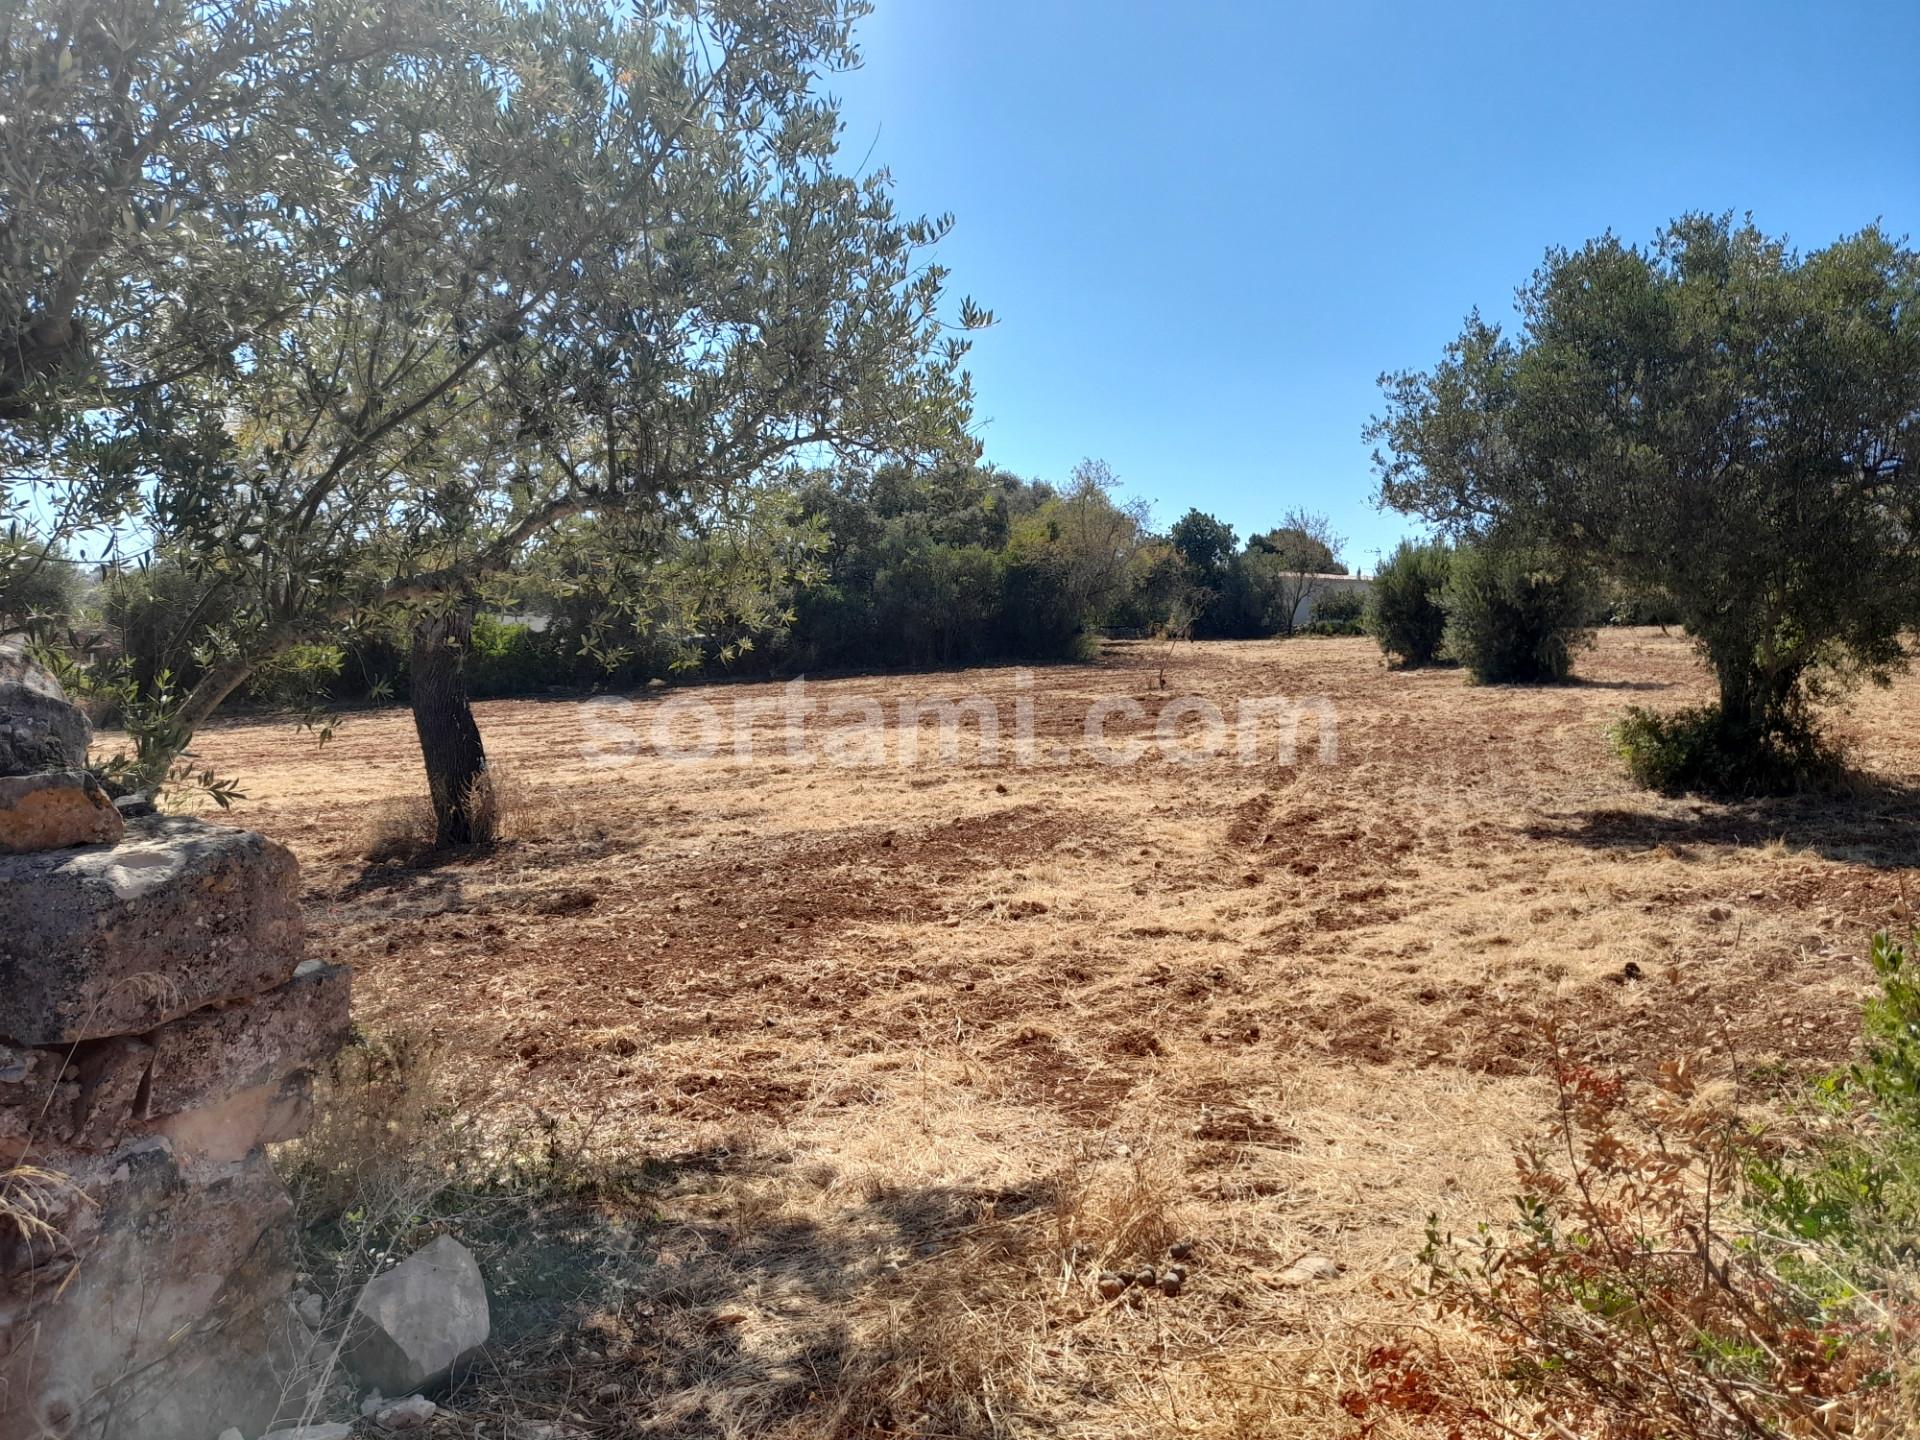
159,1027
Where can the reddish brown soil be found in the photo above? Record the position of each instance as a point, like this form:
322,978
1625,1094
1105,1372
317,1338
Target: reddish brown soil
1318,995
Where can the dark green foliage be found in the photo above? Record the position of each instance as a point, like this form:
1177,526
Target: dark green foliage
1699,750
1714,417
1298,548
295,679
1216,580
1339,612
1513,616
1038,618
955,566
1612,603
509,658
1206,544
1404,610
163,614
37,583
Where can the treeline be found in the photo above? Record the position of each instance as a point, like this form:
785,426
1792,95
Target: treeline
885,567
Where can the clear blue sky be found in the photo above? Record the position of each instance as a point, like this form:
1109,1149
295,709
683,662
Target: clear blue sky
1207,227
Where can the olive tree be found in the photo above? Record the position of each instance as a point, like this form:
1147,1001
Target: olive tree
597,265
173,174
1714,416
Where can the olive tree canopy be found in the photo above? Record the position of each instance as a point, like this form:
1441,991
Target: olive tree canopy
349,304
1715,416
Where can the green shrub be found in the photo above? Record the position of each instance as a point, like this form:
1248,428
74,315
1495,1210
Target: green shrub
831,628
1039,619
1513,616
1857,1195
1612,603
1404,611
505,657
1695,750
1339,612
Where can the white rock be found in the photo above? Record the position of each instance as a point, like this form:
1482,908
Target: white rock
1309,1268
408,1414
231,1433
372,1403
414,1325
312,1311
546,1430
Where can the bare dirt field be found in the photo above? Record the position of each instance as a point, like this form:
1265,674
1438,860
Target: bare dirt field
915,1052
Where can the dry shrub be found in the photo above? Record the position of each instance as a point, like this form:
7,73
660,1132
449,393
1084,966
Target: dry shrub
31,1201
1118,1212
400,828
403,827
503,799
365,1179
496,802
500,805
1636,1297
816,1305
955,1338
381,1130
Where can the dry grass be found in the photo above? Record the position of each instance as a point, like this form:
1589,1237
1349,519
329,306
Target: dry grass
31,1199
400,828
396,830
914,1052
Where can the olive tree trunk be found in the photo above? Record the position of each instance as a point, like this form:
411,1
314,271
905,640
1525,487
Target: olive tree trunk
449,738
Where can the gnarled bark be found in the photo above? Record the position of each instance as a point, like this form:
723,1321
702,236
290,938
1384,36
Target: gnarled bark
443,716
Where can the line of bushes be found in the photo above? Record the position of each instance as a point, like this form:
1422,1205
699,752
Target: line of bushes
1508,615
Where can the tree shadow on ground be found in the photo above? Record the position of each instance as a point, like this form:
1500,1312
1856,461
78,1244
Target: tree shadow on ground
744,1310
1586,682
423,875
1874,822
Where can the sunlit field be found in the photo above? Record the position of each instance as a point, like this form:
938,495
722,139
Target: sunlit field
904,1057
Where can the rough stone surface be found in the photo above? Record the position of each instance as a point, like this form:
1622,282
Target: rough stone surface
312,1310
152,1258
414,1326
54,810
1309,1268
264,1115
157,1030
40,729
113,941
220,1081
220,1050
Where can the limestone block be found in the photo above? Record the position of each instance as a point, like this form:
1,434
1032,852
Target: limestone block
156,1262
40,729
80,1096
118,940
414,1326
55,810
202,1058
243,1122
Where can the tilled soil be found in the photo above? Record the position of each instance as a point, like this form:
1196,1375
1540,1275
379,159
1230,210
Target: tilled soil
1305,1004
